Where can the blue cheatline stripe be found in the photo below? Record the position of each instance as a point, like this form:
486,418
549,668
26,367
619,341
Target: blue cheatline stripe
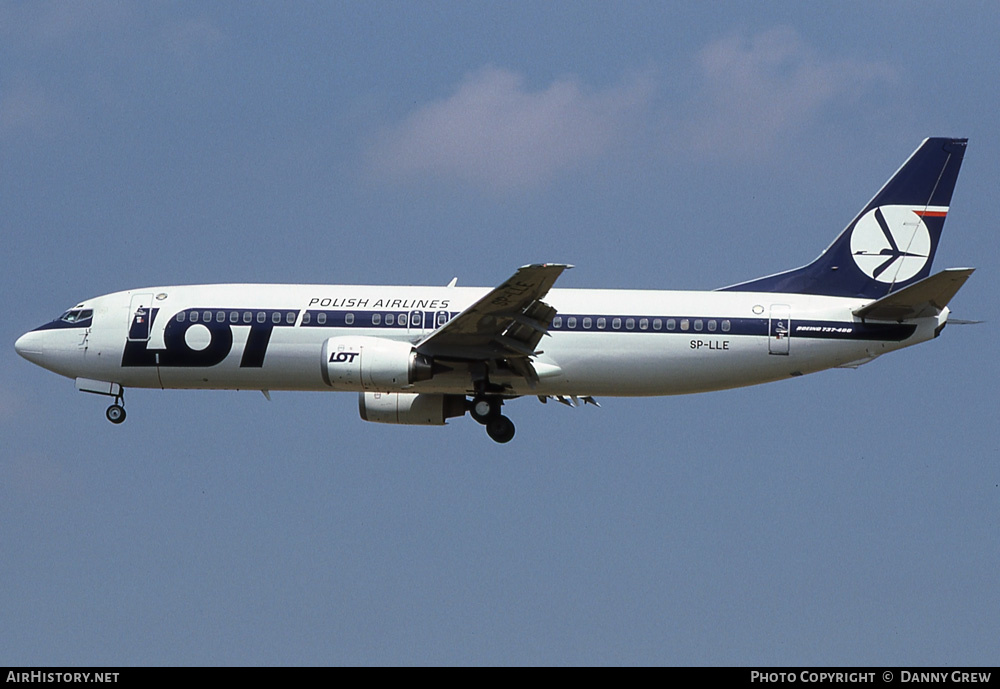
59,324
840,330
325,318
668,325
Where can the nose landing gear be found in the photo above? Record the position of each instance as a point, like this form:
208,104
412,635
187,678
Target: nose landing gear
116,412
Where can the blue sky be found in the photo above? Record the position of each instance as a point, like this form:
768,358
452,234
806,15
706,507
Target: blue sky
848,517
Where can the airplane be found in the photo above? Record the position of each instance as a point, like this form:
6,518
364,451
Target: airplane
423,355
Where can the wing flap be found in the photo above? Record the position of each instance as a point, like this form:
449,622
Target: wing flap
922,299
508,322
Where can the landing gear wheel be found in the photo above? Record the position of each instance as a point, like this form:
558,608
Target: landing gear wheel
484,408
500,429
115,413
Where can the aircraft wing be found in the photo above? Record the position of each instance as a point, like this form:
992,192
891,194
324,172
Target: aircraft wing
922,299
507,323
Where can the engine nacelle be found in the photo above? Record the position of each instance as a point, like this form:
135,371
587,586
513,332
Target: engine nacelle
372,363
410,407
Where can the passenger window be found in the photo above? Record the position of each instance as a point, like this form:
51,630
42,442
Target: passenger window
587,322
725,326
644,324
630,324
247,317
442,318
290,317
616,323
220,316
657,324
712,326
557,322
698,325
321,318
276,317
415,321
602,323
349,319
671,324
234,316
389,319
261,316
194,316
207,317
306,318
685,324
180,317
402,319
571,322
376,318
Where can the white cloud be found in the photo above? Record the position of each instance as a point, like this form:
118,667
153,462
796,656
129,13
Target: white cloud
754,89
747,91
494,131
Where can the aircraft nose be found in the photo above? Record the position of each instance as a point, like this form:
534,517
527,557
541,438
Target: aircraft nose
31,346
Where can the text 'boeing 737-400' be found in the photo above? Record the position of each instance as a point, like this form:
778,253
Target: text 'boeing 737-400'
422,355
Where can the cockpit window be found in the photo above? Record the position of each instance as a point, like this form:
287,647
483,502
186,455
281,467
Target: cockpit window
77,315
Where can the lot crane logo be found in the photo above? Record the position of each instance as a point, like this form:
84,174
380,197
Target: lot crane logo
890,243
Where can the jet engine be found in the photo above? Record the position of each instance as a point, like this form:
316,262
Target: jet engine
410,408
372,363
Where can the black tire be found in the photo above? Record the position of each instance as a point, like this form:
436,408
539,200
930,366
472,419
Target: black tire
115,413
500,429
484,408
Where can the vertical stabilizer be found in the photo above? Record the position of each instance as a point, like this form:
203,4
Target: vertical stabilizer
892,241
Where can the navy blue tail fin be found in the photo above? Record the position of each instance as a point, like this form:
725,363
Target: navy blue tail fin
892,241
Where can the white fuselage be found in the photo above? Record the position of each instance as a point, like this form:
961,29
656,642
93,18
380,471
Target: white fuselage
602,342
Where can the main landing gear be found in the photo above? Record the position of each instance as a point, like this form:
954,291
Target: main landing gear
485,409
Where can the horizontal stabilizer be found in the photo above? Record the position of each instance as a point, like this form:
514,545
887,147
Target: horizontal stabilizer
922,299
